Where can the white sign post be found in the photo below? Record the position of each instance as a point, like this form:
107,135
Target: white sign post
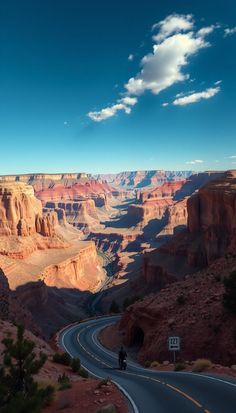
174,344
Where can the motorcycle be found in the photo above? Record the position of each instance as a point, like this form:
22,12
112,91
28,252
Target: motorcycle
123,364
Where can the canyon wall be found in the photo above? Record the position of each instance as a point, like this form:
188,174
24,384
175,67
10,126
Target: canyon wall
21,213
82,271
141,179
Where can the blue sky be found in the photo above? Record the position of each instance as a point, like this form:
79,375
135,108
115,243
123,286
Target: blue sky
63,62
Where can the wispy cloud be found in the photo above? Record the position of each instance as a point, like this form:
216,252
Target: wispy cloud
124,104
131,57
175,41
231,157
197,96
229,31
165,104
196,161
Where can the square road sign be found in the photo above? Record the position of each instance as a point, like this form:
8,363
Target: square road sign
174,343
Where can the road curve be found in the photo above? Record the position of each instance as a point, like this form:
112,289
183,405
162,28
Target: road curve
149,391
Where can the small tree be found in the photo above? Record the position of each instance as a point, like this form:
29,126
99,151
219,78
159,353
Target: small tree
229,298
114,308
19,393
75,365
62,358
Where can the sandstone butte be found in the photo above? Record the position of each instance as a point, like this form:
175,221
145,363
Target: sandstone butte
208,243
84,200
35,246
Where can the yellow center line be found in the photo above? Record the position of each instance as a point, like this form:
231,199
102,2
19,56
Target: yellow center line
185,395
145,377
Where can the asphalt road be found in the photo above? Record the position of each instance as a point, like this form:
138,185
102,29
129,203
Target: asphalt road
149,391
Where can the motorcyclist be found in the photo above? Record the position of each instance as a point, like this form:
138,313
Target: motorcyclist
122,356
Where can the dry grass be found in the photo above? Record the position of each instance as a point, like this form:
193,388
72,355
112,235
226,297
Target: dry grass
201,365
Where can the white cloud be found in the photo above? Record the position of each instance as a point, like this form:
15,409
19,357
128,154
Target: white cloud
218,82
196,97
229,32
165,104
131,57
231,157
123,104
175,42
127,100
172,24
162,68
184,94
206,30
196,161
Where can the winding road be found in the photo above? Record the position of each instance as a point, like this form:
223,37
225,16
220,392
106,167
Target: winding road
148,391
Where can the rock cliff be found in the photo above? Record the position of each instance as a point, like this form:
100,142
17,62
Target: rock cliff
206,332
21,213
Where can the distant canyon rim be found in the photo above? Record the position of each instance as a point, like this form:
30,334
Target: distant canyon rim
154,229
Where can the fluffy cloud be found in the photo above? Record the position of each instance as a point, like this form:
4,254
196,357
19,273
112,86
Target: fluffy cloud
165,104
123,104
196,161
163,67
131,57
174,43
195,97
206,30
229,32
172,24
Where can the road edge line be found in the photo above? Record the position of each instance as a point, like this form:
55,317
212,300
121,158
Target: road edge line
125,393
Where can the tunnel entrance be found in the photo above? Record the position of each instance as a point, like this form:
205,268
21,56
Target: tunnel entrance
138,337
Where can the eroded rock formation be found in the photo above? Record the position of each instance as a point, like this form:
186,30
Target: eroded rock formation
21,213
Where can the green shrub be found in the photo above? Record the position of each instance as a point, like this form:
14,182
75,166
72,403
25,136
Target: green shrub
179,366
83,373
201,365
229,298
75,365
62,358
64,382
147,364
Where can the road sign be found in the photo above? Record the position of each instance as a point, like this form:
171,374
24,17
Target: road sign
174,343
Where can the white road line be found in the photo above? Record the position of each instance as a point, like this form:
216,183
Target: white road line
209,377
121,388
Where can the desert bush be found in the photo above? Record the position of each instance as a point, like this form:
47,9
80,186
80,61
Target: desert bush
155,364
201,365
179,366
103,382
83,373
110,408
147,364
229,298
62,358
75,365
64,382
